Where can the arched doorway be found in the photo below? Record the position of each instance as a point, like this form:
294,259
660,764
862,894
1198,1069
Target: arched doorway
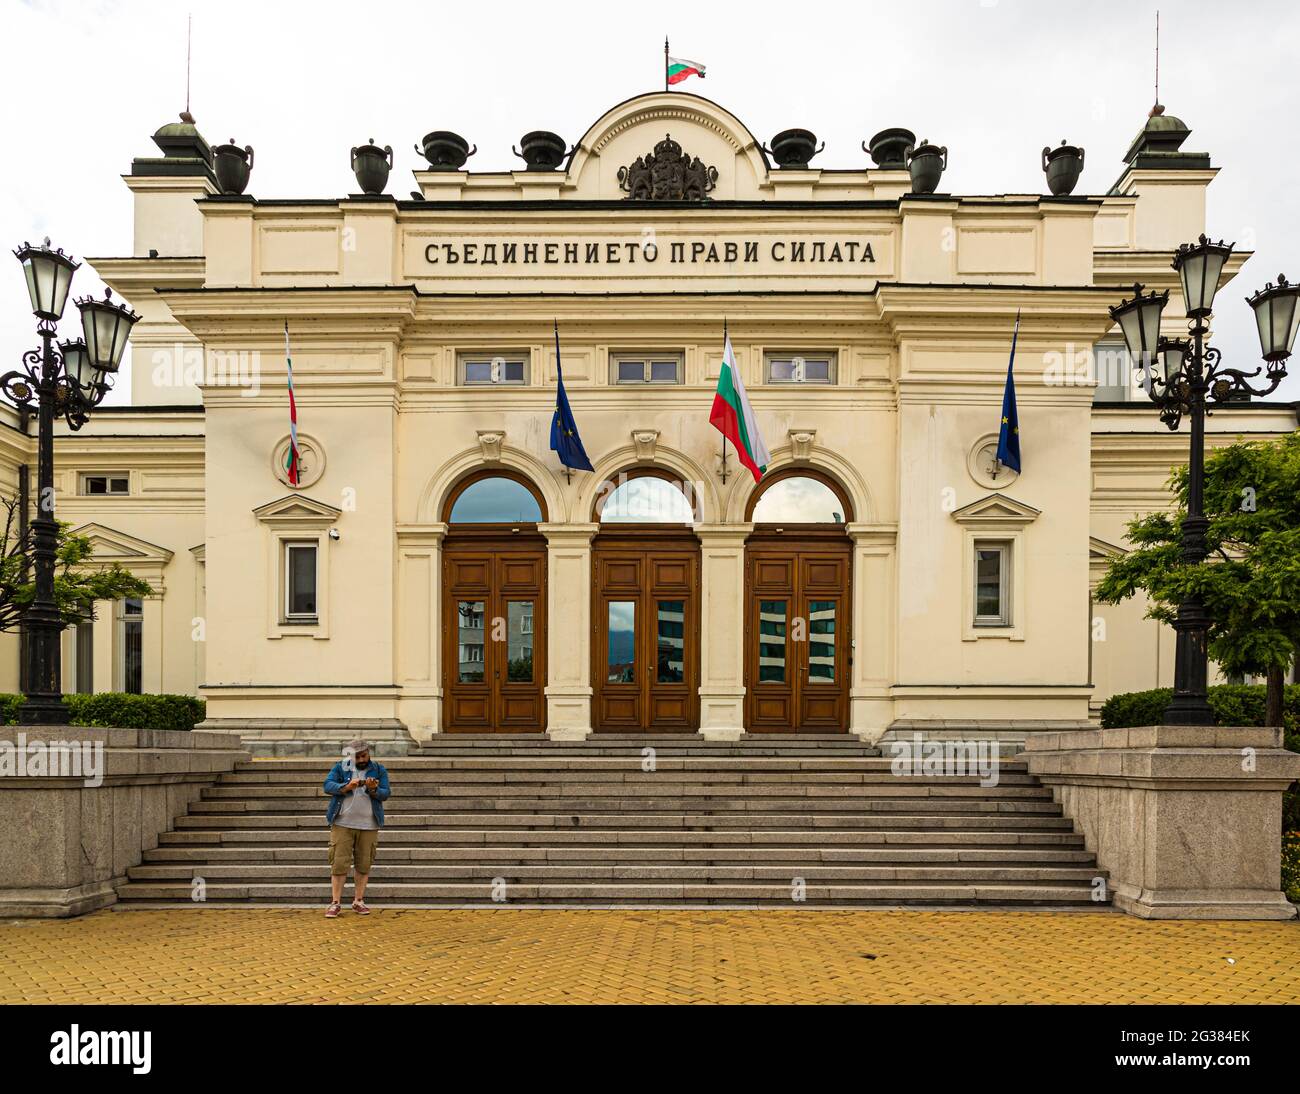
646,606
494,606
798,606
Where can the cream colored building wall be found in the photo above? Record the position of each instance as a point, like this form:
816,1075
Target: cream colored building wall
378,311
1130,466
150,532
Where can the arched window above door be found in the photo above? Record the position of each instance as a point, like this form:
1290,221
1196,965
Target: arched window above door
645,499
494,499
800,499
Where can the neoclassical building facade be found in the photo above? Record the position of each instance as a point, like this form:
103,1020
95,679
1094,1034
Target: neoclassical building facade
436,565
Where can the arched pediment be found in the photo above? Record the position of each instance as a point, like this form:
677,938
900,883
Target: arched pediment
702,128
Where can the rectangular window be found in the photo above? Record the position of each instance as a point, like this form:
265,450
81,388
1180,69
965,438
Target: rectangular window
620,655
992,584
821,641
646,368
670,627
520,651
469,636
771,641
131,636
300,582
1113,371
493,368
109,483
799,368
85,657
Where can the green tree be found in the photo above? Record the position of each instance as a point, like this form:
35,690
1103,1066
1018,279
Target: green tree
78,583
1249,581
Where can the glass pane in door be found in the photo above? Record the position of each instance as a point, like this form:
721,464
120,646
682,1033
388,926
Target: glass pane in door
469,640
821,641
771,641
519,640
670,631
620,663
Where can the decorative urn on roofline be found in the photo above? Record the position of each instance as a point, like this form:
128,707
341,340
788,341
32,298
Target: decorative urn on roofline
1063,165
371,165
889,148
793,148
232,166
541,150
445,150
926,163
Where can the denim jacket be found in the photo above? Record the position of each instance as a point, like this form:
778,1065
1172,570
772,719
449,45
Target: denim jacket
339,777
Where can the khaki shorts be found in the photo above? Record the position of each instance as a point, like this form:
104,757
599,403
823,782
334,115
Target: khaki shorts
352,845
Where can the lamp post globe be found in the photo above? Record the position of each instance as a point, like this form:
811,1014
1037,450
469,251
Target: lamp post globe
49,277
106,327
1199,266
1139,323
1277,317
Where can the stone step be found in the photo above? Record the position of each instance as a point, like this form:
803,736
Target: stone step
634,893
903,813
619,794
467,873
621,854
710,771
911,818
315,807
310,770
893,832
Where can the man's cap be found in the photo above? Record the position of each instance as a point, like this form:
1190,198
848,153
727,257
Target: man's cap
359,745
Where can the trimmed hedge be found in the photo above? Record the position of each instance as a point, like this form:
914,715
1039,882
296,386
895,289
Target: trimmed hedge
117,709
1291,866
1233,705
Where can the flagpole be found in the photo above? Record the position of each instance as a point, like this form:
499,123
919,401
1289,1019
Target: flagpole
568,471
665,62
724,436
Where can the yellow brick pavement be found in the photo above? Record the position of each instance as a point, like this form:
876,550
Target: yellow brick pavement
523,955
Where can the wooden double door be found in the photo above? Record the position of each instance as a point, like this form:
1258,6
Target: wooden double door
646,632
797,645
494,634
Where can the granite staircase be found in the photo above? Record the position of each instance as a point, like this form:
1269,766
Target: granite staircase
768,821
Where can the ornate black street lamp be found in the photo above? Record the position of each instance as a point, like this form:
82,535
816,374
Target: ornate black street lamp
1180,375
69,381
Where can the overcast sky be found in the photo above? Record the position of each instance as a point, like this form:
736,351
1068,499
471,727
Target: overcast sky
85,84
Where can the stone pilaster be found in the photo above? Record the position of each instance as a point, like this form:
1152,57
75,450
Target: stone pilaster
722,608
568,627
871,707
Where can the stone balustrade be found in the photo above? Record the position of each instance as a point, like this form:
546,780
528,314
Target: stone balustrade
1186,819
79,806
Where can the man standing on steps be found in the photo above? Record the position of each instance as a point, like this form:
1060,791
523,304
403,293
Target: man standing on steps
358,788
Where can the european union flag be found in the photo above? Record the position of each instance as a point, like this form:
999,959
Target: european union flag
1009,432
564,430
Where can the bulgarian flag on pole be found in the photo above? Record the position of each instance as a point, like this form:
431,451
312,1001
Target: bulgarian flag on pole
679,68
292,458
733,416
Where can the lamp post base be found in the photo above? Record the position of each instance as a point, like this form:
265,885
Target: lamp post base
43,710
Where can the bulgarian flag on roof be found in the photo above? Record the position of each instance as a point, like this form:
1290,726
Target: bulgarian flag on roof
679,68
733,416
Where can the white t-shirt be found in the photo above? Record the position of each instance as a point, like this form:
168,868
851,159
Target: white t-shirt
356,811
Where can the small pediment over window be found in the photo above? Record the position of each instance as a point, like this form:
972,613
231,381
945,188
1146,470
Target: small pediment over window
995,511
1101,551
108,545
297,511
